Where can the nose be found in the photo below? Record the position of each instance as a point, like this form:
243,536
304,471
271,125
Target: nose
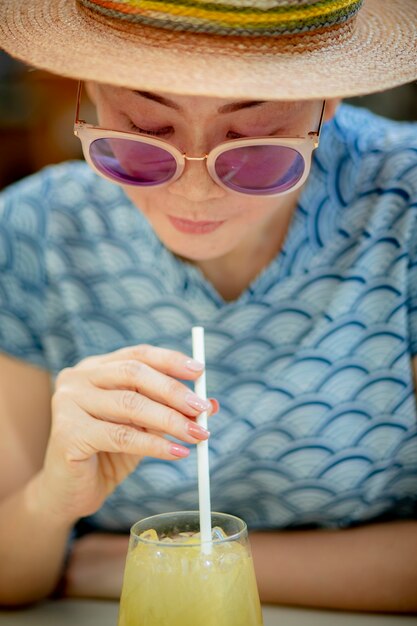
195,183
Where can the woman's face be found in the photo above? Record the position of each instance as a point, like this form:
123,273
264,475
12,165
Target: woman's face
193,216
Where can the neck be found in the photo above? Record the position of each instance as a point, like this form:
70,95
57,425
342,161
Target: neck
232,273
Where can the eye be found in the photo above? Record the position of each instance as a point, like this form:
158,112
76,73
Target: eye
232,135
159,132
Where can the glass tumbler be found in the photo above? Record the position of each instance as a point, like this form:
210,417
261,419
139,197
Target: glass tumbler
172,579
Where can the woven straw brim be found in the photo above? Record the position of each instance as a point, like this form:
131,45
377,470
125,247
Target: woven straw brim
375,52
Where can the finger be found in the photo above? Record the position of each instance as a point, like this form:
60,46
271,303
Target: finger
143,379
169,362
134,409
101,436
212,411
214,407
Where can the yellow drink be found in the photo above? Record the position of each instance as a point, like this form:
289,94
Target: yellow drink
168,583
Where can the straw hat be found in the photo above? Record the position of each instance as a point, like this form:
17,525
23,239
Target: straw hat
282,49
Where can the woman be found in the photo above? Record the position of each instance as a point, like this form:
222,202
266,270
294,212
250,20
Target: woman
304,278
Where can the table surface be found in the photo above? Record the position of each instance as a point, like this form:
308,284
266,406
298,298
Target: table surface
94,613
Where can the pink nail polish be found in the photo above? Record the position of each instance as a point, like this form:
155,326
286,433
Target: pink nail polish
194,366
197,403
179,450
197,431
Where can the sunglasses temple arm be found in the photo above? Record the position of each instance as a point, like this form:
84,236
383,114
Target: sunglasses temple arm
323,108
316,134
77,106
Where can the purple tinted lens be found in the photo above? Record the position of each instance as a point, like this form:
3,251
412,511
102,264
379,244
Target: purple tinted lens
132,162
260,170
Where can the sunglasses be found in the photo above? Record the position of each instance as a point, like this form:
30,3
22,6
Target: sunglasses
260,166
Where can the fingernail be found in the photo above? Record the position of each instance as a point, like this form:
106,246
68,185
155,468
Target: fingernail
197,431
194,366
179,450
215,406
197,403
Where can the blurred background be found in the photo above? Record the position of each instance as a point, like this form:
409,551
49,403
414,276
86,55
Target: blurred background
37,114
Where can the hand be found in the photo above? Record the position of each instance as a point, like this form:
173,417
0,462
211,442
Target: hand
110,411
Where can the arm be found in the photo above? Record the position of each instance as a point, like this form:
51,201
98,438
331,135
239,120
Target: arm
368,568
27,534
96,566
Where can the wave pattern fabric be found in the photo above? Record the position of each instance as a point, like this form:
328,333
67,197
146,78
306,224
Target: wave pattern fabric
311,365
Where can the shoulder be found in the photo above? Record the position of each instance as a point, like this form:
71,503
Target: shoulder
46,213
365,170
370,131
383,151
54,178
60,199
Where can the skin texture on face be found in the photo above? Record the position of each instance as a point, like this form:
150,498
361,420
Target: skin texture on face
244,232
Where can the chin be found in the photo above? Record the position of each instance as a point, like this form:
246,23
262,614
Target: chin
194,249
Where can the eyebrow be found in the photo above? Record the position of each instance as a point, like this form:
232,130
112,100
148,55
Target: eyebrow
226,108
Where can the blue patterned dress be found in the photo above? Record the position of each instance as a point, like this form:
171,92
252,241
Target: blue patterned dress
311,364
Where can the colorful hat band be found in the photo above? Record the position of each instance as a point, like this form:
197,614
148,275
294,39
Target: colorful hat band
231,17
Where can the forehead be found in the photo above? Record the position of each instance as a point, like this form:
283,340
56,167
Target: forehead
183,104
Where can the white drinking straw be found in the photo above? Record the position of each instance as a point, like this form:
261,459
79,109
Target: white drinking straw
202,447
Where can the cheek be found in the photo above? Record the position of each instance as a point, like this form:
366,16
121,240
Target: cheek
252,210
143,199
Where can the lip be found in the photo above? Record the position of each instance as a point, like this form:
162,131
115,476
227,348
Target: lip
192,227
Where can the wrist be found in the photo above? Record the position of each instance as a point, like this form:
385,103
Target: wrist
41,505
